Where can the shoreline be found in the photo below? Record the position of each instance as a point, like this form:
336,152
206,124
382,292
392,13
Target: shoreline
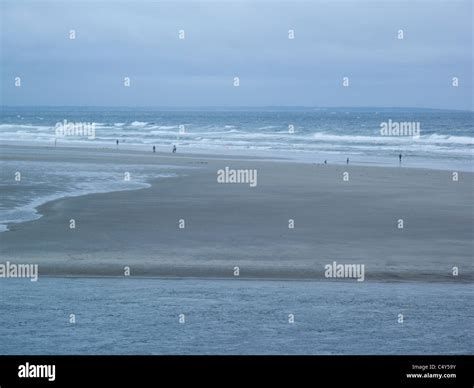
304,157
461,281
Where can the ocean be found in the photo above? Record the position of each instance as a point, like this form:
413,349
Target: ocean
191,316
426,138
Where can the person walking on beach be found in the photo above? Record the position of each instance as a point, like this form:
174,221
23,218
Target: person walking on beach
154,149
117,143
400,158
347,161
174,149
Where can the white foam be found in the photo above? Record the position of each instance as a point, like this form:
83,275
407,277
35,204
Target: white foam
138,124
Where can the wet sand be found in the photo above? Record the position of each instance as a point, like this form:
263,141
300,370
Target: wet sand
234,225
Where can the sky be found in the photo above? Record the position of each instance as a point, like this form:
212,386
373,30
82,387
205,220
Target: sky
245,39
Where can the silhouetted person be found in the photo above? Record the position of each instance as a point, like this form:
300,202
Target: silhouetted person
347,161
154,149
400,158
117,142
325,162
174,149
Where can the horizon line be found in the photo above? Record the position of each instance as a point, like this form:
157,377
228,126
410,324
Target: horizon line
215,107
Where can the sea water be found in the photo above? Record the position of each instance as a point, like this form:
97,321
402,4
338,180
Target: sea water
204,316
445,141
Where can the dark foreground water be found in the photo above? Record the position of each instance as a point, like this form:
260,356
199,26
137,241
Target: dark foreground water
142,316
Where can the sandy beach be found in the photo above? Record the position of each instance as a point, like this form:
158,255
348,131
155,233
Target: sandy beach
235,225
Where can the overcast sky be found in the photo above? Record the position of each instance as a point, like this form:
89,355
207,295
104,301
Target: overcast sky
245,39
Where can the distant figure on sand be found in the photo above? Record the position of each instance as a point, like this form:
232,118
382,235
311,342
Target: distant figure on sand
117,142
347,161
154,149
325,162
174,149
400,158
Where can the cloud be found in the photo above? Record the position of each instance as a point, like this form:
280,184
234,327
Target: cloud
239,38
